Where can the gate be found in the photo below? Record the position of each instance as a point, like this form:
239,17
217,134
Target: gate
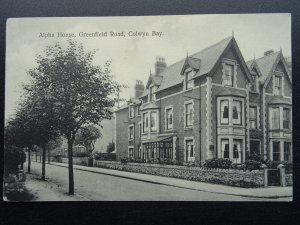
273,177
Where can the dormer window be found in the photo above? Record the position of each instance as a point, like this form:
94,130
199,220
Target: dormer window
229,74
189,80
254,85
131,111
152,95
278,85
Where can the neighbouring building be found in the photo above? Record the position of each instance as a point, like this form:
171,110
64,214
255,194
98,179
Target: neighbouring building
211,104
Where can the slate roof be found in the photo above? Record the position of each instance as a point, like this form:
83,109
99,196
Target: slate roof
208,56
152,105
277,101
265,64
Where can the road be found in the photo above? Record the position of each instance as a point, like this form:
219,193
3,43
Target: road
101,187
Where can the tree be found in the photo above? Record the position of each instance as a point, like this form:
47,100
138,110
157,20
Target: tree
87,136
79,92
13,156
53,144
110,147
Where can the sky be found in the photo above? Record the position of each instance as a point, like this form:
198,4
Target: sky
133,57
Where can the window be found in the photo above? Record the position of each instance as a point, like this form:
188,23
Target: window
255,147
225,148
131,111
152,95
254,87
145,122
130,152
253,117
189,80
224,112
229,74
276,150
169,118
140,151
277,90
189,114
140,129
275,118
131,132
237,112
153,121
138,110
286,119
190,153
287,151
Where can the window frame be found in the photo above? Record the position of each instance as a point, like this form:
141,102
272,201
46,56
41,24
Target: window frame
188,158
288,121
129,151
169,126
131,110
278,89
155,121
145,123
188,78
273,109
186,103
273,152
253,119
129,132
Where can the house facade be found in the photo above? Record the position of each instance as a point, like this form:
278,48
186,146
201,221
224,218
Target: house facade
211,104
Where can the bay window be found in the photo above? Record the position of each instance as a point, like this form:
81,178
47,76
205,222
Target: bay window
287,151
153,121
237,112
145,122
225,148
224,112
286,118
275,118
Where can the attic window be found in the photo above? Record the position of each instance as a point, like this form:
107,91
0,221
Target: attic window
152,95
188,80
229,74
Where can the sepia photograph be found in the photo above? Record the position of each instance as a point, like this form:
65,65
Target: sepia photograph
149,108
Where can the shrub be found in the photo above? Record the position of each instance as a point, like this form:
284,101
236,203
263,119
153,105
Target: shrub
252,165
105,156
81,154
252,156
218,163
168,161
124,160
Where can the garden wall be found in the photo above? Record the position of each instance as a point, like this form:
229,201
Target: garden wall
230,177
289,179
83,161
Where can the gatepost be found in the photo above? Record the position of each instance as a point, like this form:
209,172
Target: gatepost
282,174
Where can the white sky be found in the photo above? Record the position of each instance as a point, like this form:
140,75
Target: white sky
133,57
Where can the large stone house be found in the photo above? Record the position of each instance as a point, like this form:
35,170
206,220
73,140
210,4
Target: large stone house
211,104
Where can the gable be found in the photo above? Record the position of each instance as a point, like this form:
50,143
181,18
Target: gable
242,72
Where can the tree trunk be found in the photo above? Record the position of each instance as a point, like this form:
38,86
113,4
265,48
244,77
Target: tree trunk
29,159
48,156
70,161
44,163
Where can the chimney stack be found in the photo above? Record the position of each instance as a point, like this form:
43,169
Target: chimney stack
138,88
269,52
160,65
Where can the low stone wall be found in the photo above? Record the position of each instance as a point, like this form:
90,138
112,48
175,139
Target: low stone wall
83,161
230,177
289,179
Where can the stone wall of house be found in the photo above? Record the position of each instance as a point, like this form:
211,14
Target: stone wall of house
218,176
121,133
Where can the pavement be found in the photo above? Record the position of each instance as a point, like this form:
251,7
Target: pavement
267,192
